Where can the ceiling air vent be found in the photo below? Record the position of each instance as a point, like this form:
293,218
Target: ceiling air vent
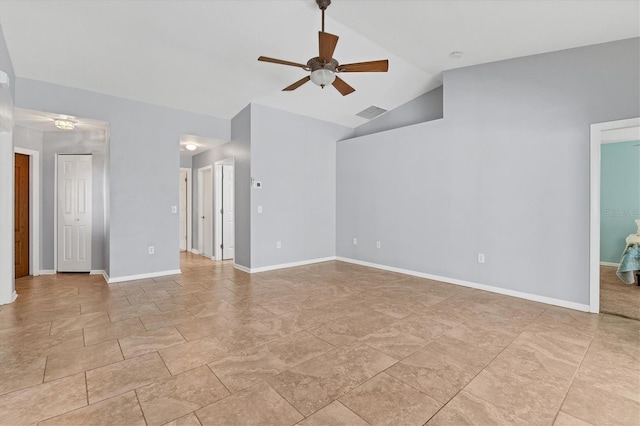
371,112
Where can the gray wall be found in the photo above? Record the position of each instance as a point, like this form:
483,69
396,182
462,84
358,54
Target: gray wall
27,138
240,149
425,107
295,159
7,281
186,161
505,173
143,161
6,95
74,142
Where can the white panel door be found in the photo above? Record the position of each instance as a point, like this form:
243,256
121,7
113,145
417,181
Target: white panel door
228,214
207,212
74,213
183,209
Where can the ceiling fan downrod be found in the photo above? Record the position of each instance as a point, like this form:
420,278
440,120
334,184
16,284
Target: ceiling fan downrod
323,4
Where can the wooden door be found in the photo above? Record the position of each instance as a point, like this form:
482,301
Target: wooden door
21,215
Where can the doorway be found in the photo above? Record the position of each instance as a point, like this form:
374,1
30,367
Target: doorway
185,209
225,209
33,225
603,133
74,221
21,215
205,211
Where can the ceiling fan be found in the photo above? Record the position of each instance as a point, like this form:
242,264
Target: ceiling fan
324,67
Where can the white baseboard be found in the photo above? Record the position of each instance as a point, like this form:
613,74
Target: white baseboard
194,251
112,280
11,299
48,272
283,265
100,272
492,289
609,264
242,268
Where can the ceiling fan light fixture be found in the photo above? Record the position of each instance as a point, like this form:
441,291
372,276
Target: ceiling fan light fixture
64,124
323,77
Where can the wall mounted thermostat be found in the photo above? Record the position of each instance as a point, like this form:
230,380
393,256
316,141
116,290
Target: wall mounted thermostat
256,183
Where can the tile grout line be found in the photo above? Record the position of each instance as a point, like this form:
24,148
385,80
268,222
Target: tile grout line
285,399
577,370
86,387
220,380
487,364
135,392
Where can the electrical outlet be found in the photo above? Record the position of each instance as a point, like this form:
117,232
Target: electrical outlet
259,209
174,209
152,250
278,244
378,245
480,257
355,241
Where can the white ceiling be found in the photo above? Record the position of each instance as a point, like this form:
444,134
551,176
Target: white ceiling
201,56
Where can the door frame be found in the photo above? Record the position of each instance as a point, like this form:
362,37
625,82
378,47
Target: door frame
594,222
34,208
189,207
201,171
217,224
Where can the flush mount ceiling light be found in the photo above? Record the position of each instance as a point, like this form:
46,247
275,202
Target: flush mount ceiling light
64,124
191,147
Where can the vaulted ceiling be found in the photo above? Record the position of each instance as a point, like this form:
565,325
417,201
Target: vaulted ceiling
201,56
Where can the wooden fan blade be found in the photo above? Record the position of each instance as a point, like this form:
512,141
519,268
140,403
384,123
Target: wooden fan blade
342,87
327,44
371,66
297,84
281,62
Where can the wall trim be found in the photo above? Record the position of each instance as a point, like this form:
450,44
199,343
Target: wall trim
48,272
100,272
609,264
194,251
189,217
596,138
111,280
492,289
283,265
241,268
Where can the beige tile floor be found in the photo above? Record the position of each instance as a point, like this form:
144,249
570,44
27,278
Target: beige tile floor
617,297
324,344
